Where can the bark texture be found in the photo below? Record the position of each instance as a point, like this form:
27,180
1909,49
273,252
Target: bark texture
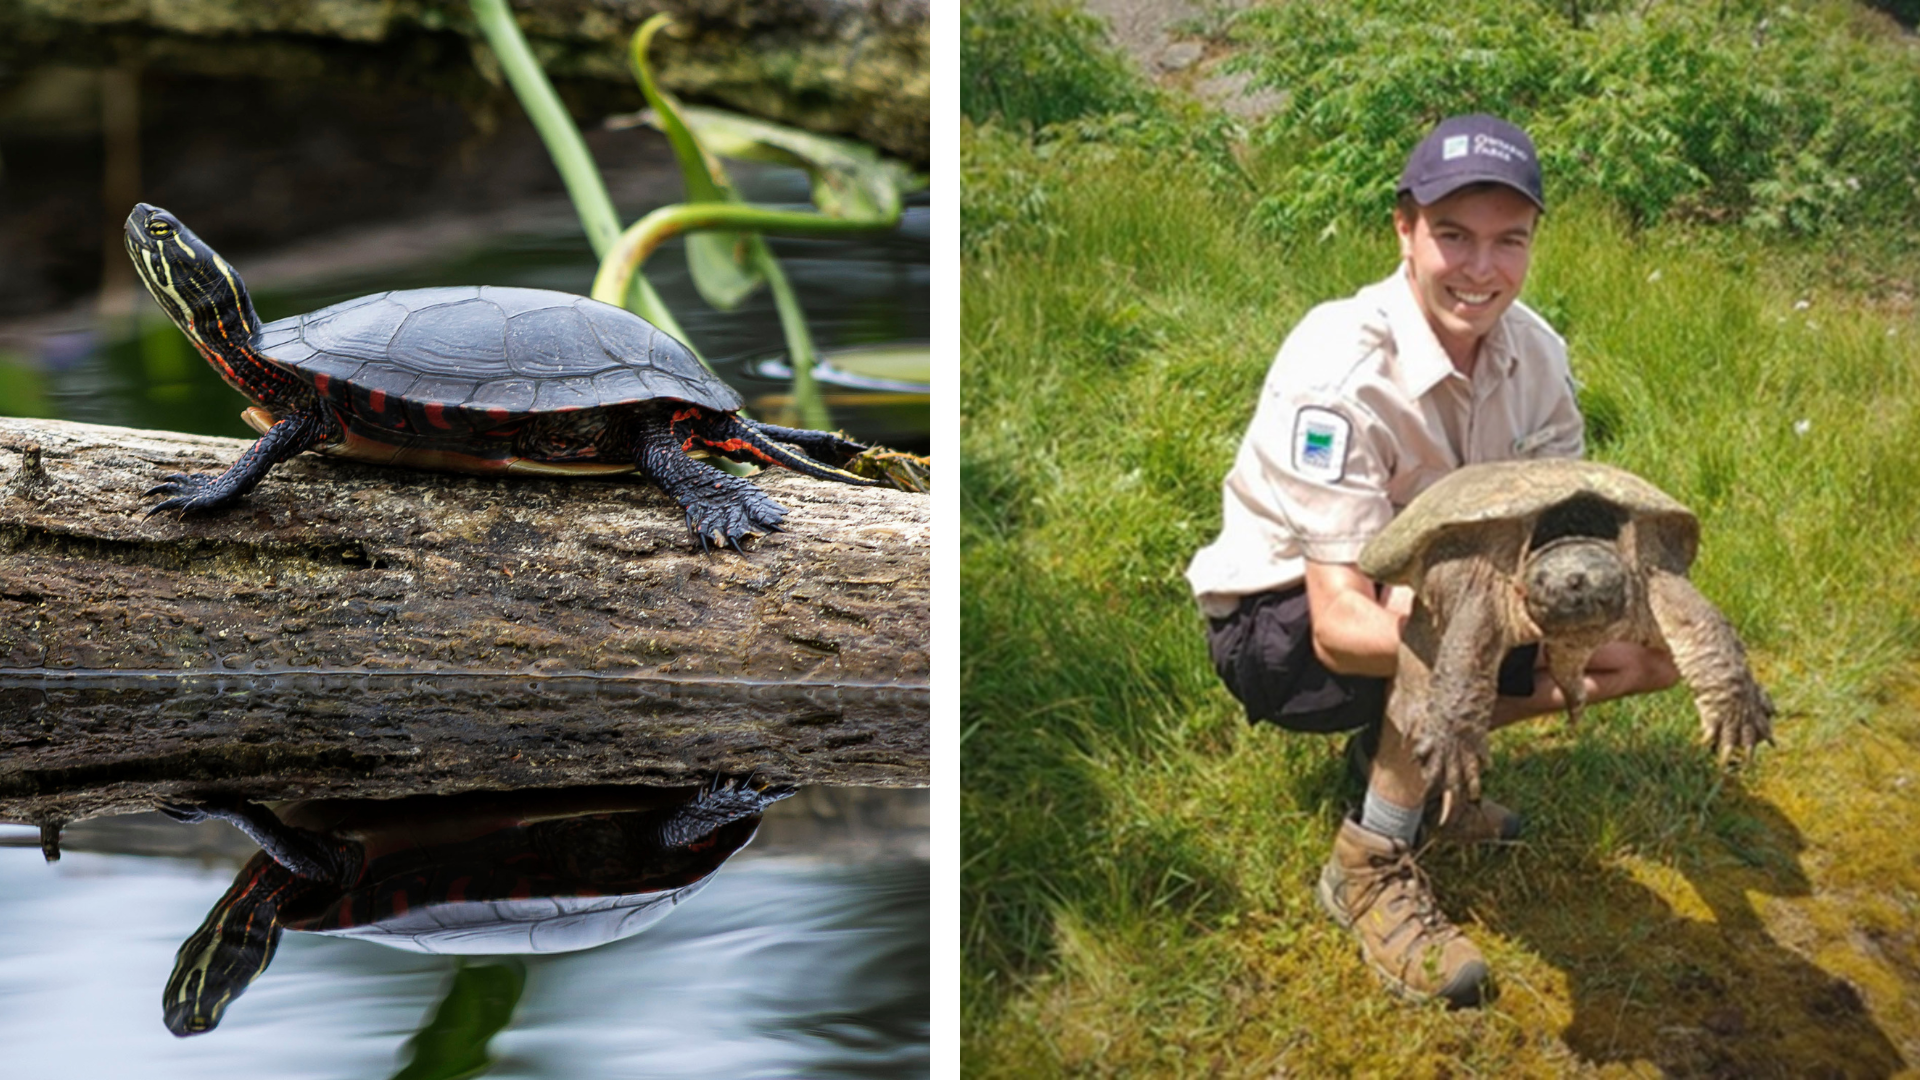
356,630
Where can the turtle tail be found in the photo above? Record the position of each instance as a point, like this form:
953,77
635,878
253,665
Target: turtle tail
754,443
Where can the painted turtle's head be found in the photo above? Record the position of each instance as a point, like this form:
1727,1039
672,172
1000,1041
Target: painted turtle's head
190,281
230,949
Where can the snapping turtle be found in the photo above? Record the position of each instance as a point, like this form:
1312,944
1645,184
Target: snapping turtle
1570,554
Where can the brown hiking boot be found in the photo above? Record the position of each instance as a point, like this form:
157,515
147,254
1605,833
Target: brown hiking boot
1372,887
1484,822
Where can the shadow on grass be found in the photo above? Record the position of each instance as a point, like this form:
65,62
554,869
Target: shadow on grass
1695,984
1062,715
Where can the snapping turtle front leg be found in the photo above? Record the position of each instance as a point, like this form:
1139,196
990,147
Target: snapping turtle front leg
1449,677
1736,715
199,492
718,506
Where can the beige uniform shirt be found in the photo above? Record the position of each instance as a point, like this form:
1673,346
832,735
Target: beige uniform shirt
1361,411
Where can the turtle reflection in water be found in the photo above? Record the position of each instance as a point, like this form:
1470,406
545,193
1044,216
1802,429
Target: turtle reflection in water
471,379
531,872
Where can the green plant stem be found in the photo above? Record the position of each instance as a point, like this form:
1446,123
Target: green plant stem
620,266
568,150
800,350
550,118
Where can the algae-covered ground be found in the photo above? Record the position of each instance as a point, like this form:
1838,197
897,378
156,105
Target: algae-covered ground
1138,861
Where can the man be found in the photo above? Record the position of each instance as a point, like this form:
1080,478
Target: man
1370,401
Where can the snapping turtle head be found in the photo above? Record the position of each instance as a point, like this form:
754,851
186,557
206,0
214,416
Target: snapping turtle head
1575,584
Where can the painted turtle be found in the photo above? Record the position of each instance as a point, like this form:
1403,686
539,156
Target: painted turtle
526,872
470,379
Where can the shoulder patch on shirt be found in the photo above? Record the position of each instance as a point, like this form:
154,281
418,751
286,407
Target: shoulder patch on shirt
1320,439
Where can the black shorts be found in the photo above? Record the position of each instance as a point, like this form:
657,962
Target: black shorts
1263,651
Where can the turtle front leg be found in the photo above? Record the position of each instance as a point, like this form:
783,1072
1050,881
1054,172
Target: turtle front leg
1736,715
717,505
301,851
1449,678
199,492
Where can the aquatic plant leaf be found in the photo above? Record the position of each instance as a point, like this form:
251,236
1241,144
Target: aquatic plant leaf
850,180
722,263
894,363
479,1002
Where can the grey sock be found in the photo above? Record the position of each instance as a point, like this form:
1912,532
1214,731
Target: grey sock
1389,819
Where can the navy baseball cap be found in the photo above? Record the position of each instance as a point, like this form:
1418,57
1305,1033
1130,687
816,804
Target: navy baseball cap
1475,149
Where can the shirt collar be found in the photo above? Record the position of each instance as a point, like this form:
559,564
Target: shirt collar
1422,362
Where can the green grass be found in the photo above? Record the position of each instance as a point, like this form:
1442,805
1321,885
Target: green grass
1137,860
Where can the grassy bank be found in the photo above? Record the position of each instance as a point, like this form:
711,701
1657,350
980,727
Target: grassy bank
1138,860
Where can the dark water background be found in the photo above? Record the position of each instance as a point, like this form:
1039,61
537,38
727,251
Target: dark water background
382,169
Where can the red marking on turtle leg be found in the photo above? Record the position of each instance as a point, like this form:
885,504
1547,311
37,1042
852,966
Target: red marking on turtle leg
738,445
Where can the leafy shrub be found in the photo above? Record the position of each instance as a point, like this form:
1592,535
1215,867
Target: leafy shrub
1785,119
1041,62
1003,199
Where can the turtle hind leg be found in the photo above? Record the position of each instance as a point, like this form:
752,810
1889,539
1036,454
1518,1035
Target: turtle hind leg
297,432
824,446
717,505
763,444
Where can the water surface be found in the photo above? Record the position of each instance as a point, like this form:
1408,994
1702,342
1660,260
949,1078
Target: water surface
790,962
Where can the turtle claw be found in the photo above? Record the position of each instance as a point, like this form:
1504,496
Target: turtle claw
1736,731
189,493
1452,761
727,524
183,812
212,808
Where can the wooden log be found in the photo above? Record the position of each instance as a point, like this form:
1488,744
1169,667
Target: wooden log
348,629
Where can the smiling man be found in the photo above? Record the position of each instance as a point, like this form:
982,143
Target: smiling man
1370,401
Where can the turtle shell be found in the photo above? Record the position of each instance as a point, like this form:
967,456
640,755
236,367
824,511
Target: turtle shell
1526,494
532,889
451,365
525,872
